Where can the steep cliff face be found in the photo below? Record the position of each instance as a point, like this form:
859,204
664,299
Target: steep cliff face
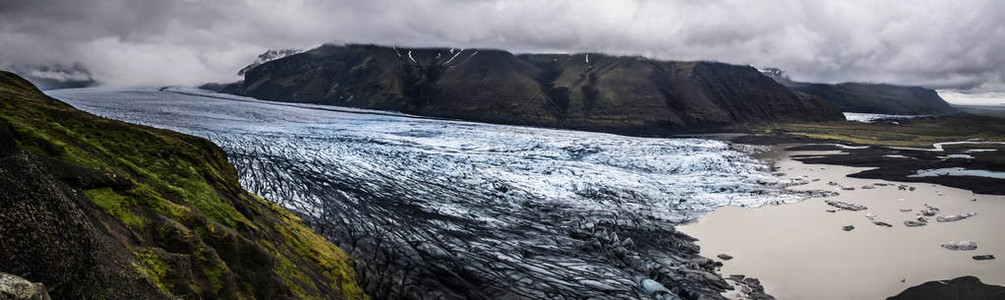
100,209
879,98
580,91
871,98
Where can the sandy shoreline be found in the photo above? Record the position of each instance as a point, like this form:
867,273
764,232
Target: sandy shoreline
799,251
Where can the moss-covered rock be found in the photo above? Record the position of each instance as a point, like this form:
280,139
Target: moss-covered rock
16,288
101,209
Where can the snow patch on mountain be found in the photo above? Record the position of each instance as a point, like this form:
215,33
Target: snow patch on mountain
268,56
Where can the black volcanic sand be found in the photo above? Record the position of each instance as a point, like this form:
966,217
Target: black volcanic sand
899,168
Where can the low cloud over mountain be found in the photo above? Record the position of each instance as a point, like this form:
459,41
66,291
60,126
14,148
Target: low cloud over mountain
937,44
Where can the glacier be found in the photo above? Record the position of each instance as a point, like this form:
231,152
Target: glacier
436,208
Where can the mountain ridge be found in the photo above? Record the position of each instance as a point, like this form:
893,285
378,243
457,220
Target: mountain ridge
876,98
592,91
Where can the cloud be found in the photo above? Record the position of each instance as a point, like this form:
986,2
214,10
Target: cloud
940,44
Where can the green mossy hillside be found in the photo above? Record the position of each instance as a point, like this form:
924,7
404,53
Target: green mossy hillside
175,203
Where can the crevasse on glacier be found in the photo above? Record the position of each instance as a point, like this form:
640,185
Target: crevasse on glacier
438,208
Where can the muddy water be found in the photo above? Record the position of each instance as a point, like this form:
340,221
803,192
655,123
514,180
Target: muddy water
799,251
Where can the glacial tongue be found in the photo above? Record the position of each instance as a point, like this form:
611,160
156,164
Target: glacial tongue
433,208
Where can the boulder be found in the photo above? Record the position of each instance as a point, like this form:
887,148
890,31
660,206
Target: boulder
17,288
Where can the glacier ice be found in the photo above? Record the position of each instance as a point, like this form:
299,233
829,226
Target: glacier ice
466,210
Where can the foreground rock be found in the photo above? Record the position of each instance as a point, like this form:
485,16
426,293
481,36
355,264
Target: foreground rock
101,209
579,91
749,288
962,288
17,288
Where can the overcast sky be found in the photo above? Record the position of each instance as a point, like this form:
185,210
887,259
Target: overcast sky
934,43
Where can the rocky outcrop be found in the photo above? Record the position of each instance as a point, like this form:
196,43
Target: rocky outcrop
100,209
962,288
871,98
17,288
581,91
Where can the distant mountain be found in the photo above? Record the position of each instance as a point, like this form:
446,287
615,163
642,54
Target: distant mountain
578,91
870,98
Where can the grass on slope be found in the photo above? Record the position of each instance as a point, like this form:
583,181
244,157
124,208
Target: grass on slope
183,190
922,132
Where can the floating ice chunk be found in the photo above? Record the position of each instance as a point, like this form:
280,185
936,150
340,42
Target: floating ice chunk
869,118
872,218
929,211
845,205
954,218
842,146
960,246
958,172
960,156
881,223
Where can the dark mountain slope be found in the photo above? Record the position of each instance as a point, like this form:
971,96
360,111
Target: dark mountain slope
101,209
872,98
879,98
580,91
